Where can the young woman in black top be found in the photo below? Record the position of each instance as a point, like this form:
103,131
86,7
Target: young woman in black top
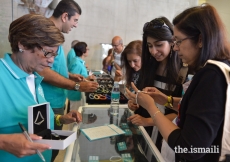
160,68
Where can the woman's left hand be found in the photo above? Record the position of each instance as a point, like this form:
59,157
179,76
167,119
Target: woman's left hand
72,116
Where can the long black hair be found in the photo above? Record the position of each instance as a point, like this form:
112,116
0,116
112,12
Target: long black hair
160,32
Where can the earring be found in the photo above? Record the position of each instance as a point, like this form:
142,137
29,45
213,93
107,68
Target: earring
21,50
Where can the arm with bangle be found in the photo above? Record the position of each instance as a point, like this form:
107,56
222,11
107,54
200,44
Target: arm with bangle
72,116
172,102
57,120
147,101
159,119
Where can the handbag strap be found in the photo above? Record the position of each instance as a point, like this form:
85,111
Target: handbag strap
182,74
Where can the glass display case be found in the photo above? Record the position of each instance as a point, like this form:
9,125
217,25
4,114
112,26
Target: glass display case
138,146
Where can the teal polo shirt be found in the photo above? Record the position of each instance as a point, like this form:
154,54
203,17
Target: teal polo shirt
70,56
76,66
16,97
57,96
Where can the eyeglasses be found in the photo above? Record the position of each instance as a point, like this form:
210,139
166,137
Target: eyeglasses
115,45
48,54
156,23
178,42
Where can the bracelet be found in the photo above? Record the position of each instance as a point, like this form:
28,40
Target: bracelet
137,95
169,102
155,114
57,120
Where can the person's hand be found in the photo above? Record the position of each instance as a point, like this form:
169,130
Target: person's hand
91,77
88,86
145,100
140,121
132,106
118,73
72,116
157,95
18,145
117,66
76,77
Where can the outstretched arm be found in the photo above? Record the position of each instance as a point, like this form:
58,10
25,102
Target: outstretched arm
18,145
58,80
72,116
55,79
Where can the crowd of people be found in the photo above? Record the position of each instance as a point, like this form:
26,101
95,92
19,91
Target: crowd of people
154,70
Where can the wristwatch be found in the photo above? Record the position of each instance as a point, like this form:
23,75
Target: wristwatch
77,86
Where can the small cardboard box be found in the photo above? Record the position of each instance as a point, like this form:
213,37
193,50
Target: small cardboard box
39,119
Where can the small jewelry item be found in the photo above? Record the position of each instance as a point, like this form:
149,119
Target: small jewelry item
36,120
155,114
137,95
57,120
169,102
21,50
55,135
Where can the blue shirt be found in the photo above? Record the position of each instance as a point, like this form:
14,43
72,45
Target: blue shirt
57,96
76,66
70,56
16,97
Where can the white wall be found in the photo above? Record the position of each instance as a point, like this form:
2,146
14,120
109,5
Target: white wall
101,20
222,7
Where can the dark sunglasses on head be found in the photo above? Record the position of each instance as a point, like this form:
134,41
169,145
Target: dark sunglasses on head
156,23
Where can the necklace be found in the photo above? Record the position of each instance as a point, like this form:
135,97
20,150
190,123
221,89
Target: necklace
36,120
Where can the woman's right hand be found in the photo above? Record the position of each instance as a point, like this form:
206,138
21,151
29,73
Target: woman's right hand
132,106
18,145
157,95
145,100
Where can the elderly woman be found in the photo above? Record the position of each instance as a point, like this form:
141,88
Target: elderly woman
34,42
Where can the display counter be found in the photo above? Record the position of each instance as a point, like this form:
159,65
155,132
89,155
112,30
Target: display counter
138,146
